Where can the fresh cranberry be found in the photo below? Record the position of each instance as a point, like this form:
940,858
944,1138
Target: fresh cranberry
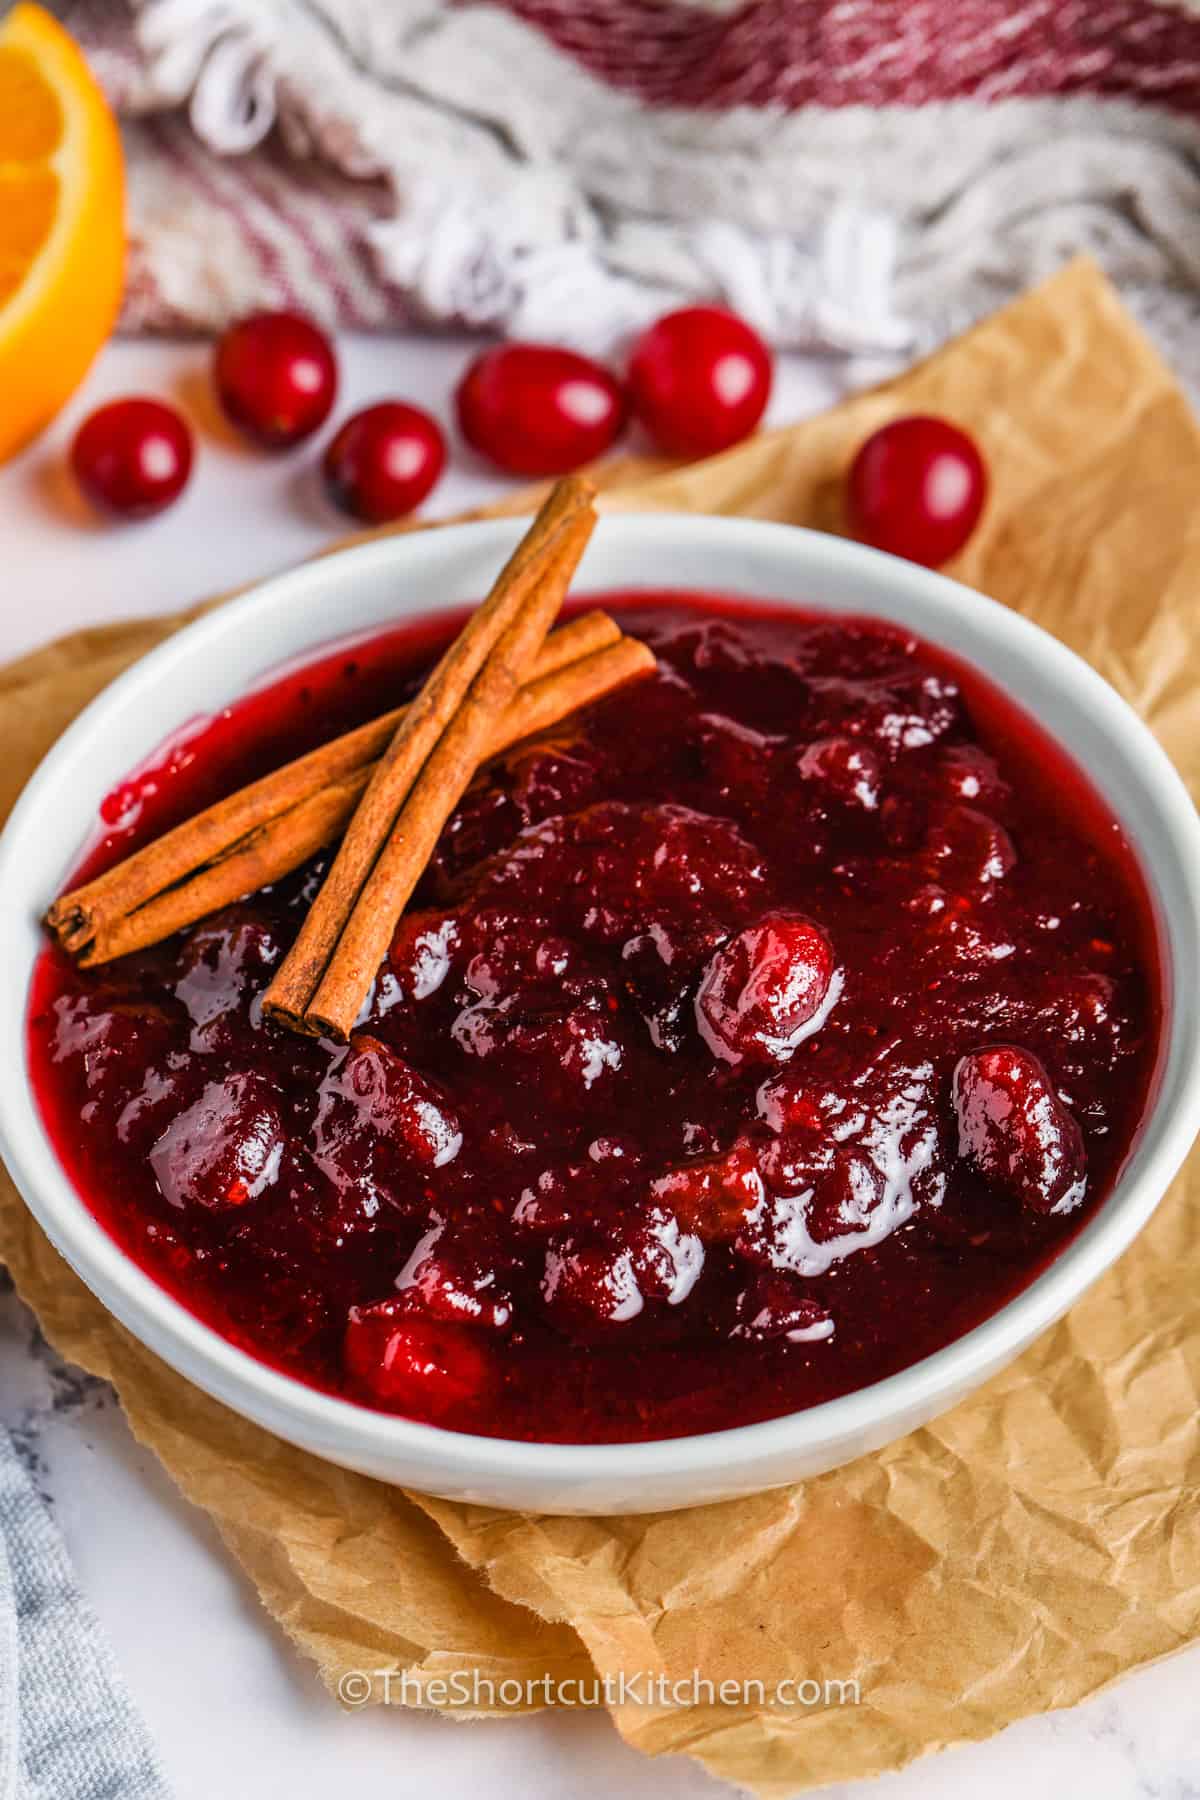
534,409
763,987
699,380
917,488
133,457
225,1149
1016,1131
276,376
384,461
422,1367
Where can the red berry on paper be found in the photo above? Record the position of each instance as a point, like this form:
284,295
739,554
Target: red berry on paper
534,409
699,380
276,376
917,488
133,457
384,461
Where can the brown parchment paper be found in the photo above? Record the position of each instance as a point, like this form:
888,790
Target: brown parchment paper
1014,1556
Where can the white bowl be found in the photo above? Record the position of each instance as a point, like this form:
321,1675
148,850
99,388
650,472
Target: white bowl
213,661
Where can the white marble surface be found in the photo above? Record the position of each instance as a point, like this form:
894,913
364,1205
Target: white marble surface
235,1711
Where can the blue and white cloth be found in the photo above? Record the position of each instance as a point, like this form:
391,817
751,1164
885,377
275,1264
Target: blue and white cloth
68,1728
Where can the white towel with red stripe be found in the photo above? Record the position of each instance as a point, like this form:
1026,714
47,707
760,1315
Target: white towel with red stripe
856,177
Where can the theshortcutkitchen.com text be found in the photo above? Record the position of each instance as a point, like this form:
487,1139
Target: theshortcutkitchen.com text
473,1690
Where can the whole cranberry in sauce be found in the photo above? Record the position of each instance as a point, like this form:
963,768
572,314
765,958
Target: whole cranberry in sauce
765,988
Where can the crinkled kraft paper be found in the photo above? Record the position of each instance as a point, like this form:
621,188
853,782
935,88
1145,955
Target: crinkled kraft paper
1015,1555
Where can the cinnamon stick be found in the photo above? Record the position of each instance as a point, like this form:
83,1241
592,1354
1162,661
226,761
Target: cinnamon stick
288,838
437,790
90,919
496,645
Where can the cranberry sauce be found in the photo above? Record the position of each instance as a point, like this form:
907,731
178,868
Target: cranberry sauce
753,1035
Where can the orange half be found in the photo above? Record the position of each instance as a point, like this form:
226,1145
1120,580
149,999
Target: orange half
62,221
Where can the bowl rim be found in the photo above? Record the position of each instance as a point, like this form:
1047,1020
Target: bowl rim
285,1404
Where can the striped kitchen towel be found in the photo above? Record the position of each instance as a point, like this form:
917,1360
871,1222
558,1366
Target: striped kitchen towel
860,176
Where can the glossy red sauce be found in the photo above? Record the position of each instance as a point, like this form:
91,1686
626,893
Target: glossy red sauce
759,1033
